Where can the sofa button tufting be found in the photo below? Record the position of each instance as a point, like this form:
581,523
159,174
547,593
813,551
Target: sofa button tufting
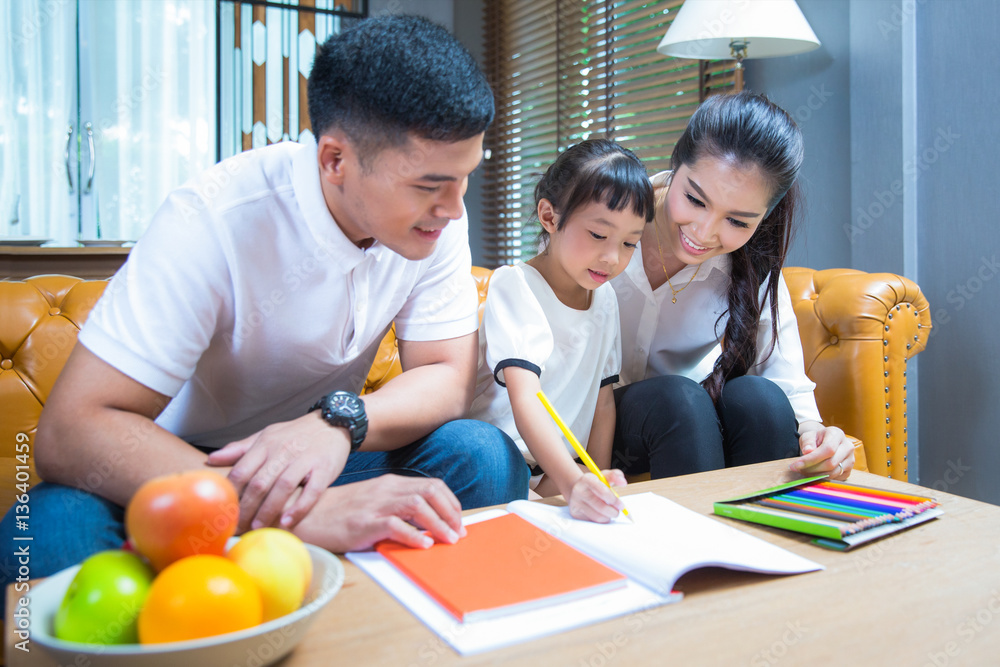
53,311
7,364
834,340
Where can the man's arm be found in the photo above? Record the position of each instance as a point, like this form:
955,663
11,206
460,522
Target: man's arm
435,387
97,432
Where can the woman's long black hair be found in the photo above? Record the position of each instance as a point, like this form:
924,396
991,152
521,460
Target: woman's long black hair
749,131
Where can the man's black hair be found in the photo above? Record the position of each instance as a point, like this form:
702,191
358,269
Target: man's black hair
396,75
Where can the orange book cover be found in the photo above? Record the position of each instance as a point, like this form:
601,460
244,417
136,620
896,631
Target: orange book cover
503,565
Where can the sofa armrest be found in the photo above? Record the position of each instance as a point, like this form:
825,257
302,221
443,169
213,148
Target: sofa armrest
858,331
41,319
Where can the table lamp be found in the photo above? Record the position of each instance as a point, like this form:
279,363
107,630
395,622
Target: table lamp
723,29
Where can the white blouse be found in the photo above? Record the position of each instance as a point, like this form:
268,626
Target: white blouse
684,338
574,352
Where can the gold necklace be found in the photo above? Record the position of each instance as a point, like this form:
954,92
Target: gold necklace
659,248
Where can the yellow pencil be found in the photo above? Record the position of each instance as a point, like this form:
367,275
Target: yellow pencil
580,451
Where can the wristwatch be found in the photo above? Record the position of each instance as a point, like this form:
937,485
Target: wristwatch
343,408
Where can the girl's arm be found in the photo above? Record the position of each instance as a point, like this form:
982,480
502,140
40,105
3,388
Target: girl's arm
588,498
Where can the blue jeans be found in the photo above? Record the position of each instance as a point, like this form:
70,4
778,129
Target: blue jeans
477,461
668,426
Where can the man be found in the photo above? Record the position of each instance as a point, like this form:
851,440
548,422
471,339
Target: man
262,289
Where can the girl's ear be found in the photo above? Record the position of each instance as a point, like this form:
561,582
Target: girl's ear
547,216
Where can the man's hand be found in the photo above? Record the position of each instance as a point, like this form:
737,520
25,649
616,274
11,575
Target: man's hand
356,516
270,465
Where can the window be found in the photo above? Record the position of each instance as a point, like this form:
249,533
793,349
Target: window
105,106
265,56
567,70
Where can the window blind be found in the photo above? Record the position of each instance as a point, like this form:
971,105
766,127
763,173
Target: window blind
567,70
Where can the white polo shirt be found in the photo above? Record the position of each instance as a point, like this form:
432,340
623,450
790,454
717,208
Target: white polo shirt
245,302
664,338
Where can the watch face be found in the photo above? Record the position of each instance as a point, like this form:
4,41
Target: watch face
345,404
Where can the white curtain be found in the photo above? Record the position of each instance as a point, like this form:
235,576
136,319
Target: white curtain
138,79
152,99
37,107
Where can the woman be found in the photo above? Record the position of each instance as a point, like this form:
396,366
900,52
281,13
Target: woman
712,371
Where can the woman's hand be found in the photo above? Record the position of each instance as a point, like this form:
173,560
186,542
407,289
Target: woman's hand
590,499
825,449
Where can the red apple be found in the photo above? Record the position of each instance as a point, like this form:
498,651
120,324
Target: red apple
182,514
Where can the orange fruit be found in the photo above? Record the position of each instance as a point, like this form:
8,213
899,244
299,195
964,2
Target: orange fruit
182,514
199,596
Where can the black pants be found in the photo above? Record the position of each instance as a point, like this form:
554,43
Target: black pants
668,426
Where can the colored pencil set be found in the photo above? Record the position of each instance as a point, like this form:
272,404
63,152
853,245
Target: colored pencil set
849,507
843,515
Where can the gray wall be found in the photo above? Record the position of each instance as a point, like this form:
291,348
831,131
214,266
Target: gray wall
959,245
815,88
468,28
901,172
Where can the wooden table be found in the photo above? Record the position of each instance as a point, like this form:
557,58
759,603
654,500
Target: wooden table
927,596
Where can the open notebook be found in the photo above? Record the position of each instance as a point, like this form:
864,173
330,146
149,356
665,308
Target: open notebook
665,541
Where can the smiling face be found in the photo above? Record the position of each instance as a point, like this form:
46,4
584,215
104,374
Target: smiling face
593,246
711,208
404,196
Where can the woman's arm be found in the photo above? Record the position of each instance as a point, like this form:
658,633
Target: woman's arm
587,497
825,449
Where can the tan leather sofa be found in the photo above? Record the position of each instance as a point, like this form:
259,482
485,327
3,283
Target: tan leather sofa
858,330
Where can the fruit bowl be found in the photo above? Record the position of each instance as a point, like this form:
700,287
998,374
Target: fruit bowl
261,645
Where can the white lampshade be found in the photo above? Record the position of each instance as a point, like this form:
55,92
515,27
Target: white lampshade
706,29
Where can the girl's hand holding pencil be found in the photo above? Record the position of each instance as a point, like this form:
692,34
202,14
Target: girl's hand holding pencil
593,500
598,500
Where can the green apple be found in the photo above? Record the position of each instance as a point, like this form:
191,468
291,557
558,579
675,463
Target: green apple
102,603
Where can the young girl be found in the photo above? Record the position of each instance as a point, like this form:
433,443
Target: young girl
551,323
712,371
